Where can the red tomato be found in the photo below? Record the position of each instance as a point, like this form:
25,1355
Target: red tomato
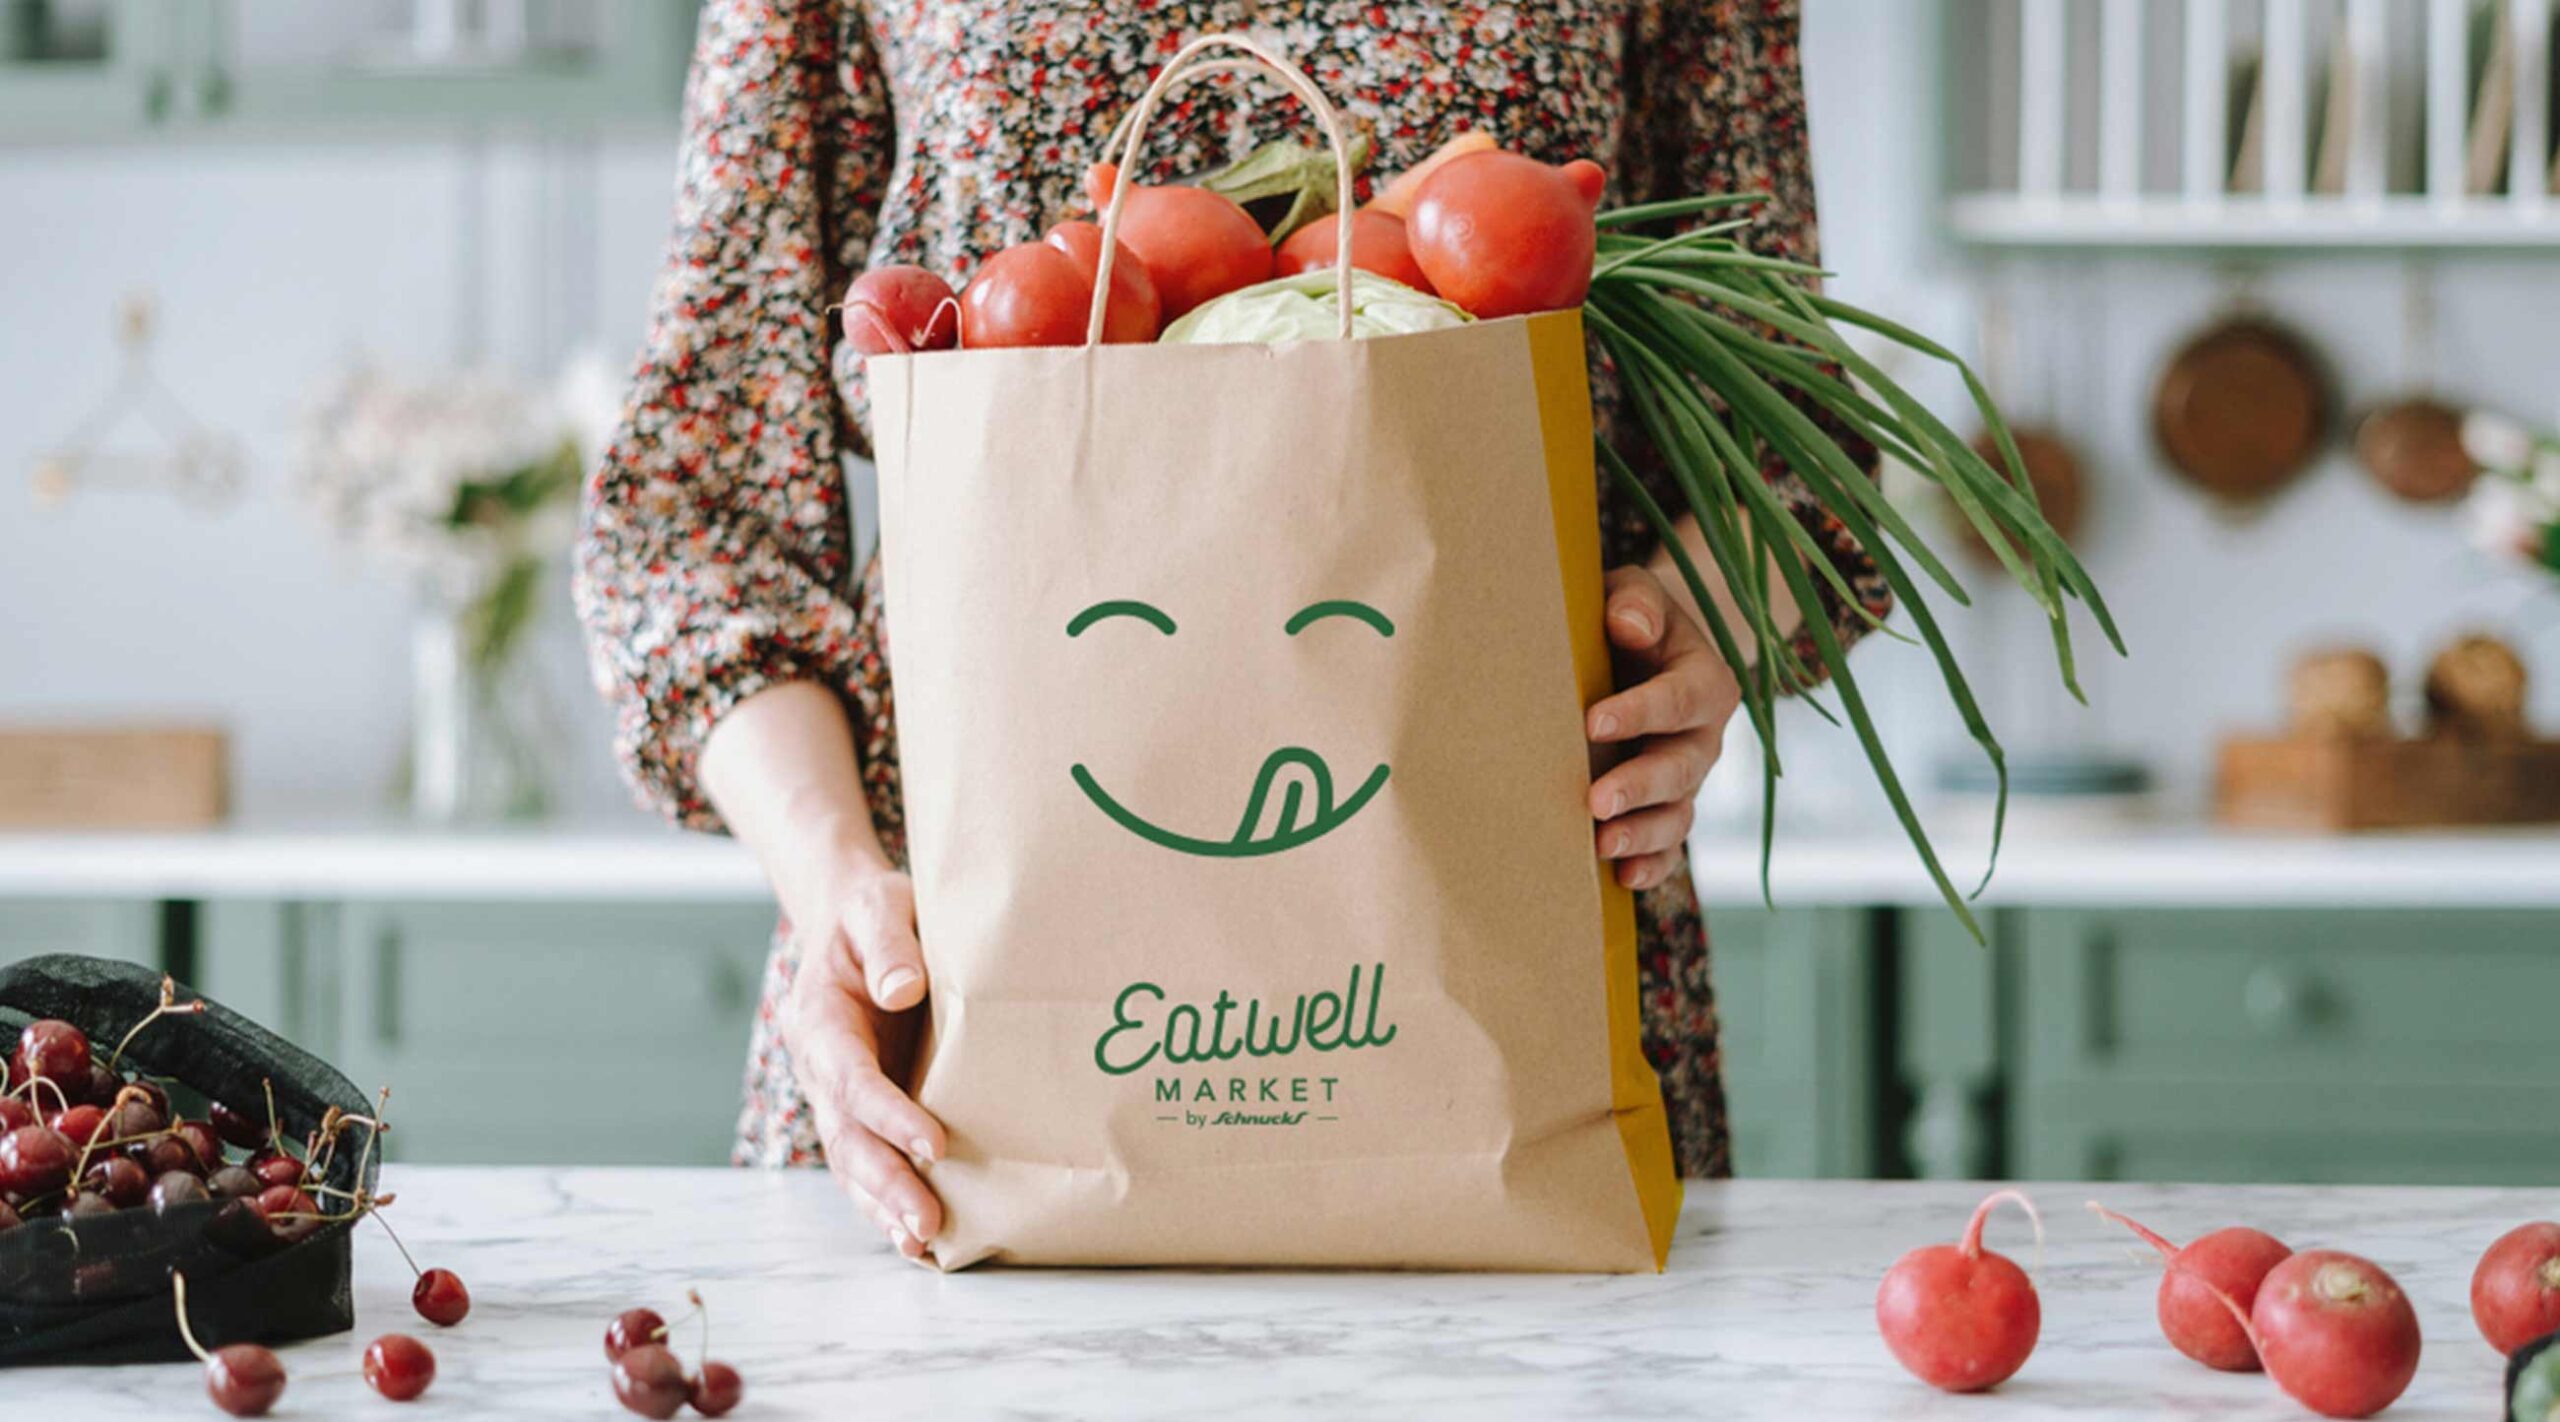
1029,294
1135,308
1377,245
1197,244
1503,235
897,309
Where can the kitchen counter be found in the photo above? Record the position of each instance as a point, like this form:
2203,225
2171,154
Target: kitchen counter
2188,867
1765,1312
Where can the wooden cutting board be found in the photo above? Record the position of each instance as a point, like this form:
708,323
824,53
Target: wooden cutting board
2372,782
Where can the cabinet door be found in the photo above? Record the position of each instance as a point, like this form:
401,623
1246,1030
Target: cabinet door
1796,1017
86,69
286,64
555,1033
101,928
2378,1046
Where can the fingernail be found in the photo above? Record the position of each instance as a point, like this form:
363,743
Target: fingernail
922,1150
914,1223
1617,845
1637,623
1604,724
896,984
1617,805
898,1239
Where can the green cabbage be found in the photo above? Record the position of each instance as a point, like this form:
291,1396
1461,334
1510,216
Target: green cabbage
1301,308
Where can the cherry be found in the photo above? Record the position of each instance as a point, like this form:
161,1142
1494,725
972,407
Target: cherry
120,1180
99,1086
8,1217
52,1049
243,1379
440,1297
15,1112
399,1366
35,1160
277,1168
83,1124
631,1328
133,1115
234,1182
168,1153
717,1390
85,1205
648,1380
151,1095
202,1141
289,1213
239,1127
175,1188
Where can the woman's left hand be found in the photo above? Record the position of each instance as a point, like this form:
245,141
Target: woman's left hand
1674,719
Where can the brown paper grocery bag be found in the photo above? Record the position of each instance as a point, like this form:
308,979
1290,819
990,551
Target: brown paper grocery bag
1239,690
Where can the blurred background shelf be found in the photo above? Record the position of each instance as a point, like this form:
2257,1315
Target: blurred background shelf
114,70
2309,225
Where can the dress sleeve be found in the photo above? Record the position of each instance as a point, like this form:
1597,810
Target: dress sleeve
1715,104
716,542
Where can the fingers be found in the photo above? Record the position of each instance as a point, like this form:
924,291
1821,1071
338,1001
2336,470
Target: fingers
1646,871
874,1134
1668,772
1694,688
879,919
1639,611
1647,831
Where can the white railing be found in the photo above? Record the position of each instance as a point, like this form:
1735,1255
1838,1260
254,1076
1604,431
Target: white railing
2331,149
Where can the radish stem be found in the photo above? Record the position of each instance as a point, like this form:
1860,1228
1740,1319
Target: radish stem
2149,1236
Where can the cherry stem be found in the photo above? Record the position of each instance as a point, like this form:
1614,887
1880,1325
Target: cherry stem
702,1360
2149,1236
275,1128
169,1007
178,1285
396,1244
28,1089
93,1143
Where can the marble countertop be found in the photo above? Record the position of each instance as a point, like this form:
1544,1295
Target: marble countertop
1766,1312
634,862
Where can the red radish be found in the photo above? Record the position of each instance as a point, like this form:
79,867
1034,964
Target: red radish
1503,235
1136,311
1377,245
1957,1315
1029,294
891,311
1197,244
2335,1332
2226,1262
2515,1293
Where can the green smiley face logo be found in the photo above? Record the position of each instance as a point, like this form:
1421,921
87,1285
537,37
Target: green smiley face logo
1307,809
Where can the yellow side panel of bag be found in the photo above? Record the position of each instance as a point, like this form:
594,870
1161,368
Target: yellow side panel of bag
1564,408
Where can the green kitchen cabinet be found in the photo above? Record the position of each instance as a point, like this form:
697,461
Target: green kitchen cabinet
119,69
1796,1009
102,928
579,64
520,1033
87,70
2380,1046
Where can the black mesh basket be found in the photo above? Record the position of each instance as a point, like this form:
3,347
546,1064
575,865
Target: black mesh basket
97,1291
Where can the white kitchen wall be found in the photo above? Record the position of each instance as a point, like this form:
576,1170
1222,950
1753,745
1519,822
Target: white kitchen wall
273,262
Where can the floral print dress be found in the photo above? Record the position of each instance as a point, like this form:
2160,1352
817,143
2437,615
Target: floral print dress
826,136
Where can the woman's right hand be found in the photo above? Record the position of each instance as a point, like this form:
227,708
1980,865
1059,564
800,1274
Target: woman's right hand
780,768
851,1026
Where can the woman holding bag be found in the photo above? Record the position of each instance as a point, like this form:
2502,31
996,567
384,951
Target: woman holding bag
739,634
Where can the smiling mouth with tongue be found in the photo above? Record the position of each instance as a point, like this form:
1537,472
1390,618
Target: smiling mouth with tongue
1292,804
